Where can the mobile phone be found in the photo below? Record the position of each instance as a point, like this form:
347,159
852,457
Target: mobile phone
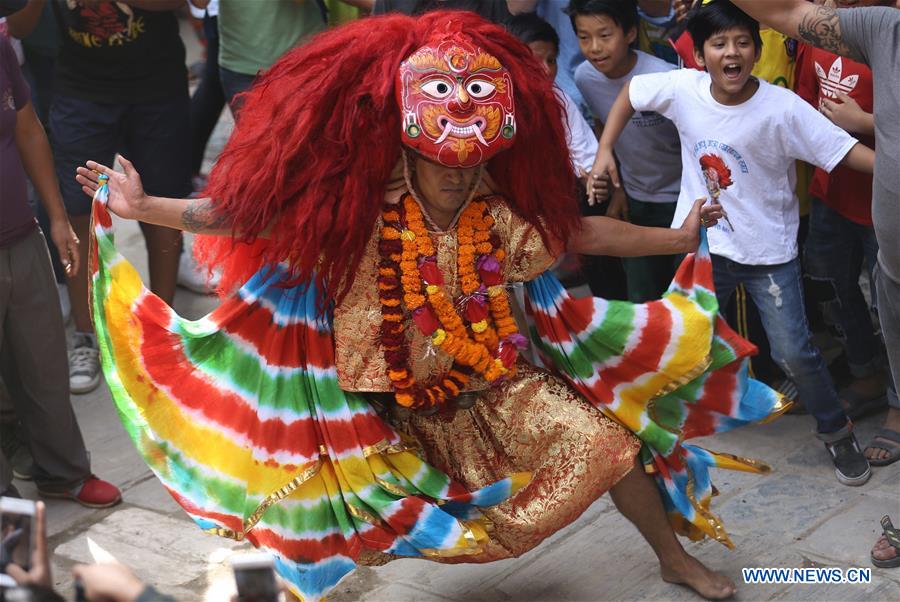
254,575
17,532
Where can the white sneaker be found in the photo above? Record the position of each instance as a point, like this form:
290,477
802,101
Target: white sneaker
194,278
84,363
64,304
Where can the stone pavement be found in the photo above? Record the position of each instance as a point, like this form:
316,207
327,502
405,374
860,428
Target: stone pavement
797,516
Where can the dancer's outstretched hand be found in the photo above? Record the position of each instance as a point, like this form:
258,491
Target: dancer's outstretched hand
127,198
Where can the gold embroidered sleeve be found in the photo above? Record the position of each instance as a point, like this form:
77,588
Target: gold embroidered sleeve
527,255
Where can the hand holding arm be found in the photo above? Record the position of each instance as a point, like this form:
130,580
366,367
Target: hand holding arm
848,115
605,163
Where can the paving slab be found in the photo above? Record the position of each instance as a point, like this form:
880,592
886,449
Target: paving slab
172,554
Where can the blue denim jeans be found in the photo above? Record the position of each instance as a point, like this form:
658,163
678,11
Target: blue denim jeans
777,291
837,250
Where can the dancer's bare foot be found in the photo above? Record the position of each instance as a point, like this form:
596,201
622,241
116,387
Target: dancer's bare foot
690,572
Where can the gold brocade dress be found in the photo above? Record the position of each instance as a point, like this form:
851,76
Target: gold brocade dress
534,422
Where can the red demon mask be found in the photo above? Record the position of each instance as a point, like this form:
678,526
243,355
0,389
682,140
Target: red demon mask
457,103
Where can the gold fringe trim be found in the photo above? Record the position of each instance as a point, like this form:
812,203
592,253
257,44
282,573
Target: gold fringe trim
392,488
780,408
719,533
383,447
363,515
271,499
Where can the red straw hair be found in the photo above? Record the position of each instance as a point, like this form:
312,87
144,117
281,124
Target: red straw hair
319,134
717,164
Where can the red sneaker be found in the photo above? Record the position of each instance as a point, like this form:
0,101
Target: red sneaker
93,493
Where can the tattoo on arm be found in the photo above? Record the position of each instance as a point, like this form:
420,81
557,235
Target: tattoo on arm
822,28
200,216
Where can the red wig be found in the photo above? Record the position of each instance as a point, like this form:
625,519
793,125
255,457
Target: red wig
319,134
717,164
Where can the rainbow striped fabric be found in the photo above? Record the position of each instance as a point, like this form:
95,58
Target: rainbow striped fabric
668,370
240,417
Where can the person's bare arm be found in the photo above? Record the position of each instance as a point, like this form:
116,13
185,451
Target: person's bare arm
23,22
37,159
201,4
817,25
155,5
656,8
128,200
606,236
518,7
605,162
861,158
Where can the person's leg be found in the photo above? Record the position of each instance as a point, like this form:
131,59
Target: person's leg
649,277
777,291
888,291
233,83
81,130
725,279
208,99
778,294
835,254
637,498
35,335
158,138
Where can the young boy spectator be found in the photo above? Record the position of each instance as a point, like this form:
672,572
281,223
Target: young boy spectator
740,138
31,328
648,148
841,238
543,41
121,85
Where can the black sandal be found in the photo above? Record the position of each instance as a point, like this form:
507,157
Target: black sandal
893,538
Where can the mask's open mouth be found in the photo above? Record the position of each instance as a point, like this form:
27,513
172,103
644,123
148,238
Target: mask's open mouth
472,127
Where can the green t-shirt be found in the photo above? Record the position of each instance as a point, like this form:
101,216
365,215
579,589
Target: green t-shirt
254,33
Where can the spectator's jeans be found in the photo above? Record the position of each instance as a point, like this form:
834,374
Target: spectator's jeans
836,251
777,291
233,83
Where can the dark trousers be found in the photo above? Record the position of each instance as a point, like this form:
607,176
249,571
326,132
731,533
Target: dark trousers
36,367
208,99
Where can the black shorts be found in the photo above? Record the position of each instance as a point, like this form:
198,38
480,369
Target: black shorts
154,136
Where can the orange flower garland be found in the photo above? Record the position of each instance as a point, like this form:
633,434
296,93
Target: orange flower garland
409,265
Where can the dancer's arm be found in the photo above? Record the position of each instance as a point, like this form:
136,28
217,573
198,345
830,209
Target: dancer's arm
861,158
607,236
128,200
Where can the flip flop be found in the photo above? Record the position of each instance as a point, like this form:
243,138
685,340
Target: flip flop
856,406
890,443
893,538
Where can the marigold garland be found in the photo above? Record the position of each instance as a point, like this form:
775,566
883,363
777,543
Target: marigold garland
481,338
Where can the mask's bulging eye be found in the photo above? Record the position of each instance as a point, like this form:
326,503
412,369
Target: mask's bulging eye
437,88
480,88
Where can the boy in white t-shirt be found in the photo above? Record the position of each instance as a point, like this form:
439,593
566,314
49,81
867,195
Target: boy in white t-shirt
740,138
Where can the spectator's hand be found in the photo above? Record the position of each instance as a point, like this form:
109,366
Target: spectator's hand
127,198
108,582
618,207
603,172
66,242
846,114
690,228
682,8
711,214
39,575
